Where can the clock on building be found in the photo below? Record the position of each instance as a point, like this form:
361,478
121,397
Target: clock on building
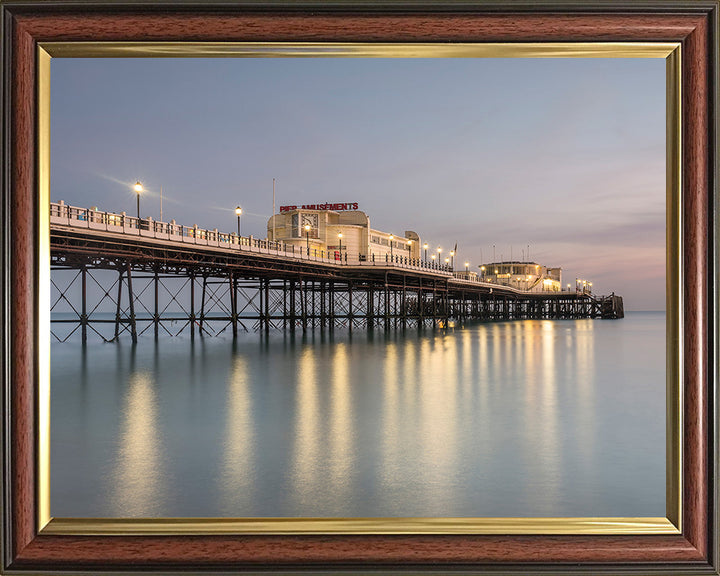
311,219
305,220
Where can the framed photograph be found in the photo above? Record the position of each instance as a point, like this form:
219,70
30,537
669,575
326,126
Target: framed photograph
382,398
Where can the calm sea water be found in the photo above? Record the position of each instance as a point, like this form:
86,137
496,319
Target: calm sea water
527,418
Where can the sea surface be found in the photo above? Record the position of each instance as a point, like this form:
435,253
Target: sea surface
525,418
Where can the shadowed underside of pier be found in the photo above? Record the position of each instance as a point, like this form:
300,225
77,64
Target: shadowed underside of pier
111,285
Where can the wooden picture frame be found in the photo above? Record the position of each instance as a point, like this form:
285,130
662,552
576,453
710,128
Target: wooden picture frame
26,25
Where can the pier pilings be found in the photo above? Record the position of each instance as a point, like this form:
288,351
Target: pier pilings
128,289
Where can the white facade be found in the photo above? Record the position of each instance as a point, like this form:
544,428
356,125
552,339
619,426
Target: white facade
523,276
318,231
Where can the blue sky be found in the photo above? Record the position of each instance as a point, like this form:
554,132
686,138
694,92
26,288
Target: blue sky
564,155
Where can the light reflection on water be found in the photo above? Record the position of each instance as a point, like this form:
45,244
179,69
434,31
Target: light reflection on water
138,476
238,476
531,418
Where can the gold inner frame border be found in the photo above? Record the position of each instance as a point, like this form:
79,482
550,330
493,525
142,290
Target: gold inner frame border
671,524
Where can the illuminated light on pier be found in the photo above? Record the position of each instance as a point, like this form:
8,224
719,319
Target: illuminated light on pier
238,213
138,190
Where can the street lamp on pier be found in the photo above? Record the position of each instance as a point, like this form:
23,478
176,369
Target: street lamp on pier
138,189
482,271
452,259
447,262
391,246
238,211
340,239
433,259
307,238
426,247
467,267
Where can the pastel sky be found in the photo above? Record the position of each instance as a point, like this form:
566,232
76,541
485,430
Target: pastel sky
564,155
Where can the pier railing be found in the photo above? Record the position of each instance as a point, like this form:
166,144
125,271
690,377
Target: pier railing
61,213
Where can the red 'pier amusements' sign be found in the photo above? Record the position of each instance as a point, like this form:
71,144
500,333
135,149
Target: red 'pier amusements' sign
337,207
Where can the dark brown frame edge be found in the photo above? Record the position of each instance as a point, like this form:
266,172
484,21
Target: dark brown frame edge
26,23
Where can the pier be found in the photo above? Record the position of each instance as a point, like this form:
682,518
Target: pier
115,275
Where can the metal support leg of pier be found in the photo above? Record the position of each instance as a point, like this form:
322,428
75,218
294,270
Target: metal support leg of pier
420,303
202,304
117,310
350,305
323,298
370,302
434,301
233,304
313,316
261,315
192,306
447,303
293,315
303,303
83,312
285,310
395,313
267,303
404,303
131,296
156,316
